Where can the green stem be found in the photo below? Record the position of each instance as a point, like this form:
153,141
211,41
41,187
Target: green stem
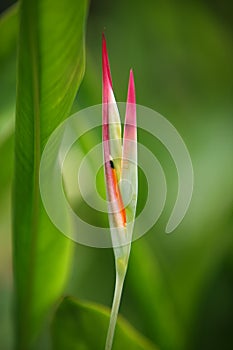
115,308
121,268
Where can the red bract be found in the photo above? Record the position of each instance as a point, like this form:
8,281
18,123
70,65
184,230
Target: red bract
117,159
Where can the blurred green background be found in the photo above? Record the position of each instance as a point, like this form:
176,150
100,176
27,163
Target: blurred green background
179,287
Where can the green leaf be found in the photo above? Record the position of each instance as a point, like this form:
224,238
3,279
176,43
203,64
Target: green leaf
83,326
50,70
154,297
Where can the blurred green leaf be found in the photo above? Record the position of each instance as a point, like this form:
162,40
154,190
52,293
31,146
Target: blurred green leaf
50,70
79,326
8,28
8,35
155,300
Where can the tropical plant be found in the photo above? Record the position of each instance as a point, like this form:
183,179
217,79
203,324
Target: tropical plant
178,288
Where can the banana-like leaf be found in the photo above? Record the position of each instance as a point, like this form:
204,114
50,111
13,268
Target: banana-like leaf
50,70
78,326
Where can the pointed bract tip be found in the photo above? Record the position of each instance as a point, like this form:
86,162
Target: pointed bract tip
105,62
103,38
131,88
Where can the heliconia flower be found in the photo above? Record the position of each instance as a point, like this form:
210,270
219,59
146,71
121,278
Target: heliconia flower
120,163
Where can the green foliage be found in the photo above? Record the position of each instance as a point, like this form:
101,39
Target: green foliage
161,316
8,30
50,70
8,34
83,326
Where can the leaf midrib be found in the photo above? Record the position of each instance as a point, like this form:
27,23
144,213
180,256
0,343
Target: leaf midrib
34,53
